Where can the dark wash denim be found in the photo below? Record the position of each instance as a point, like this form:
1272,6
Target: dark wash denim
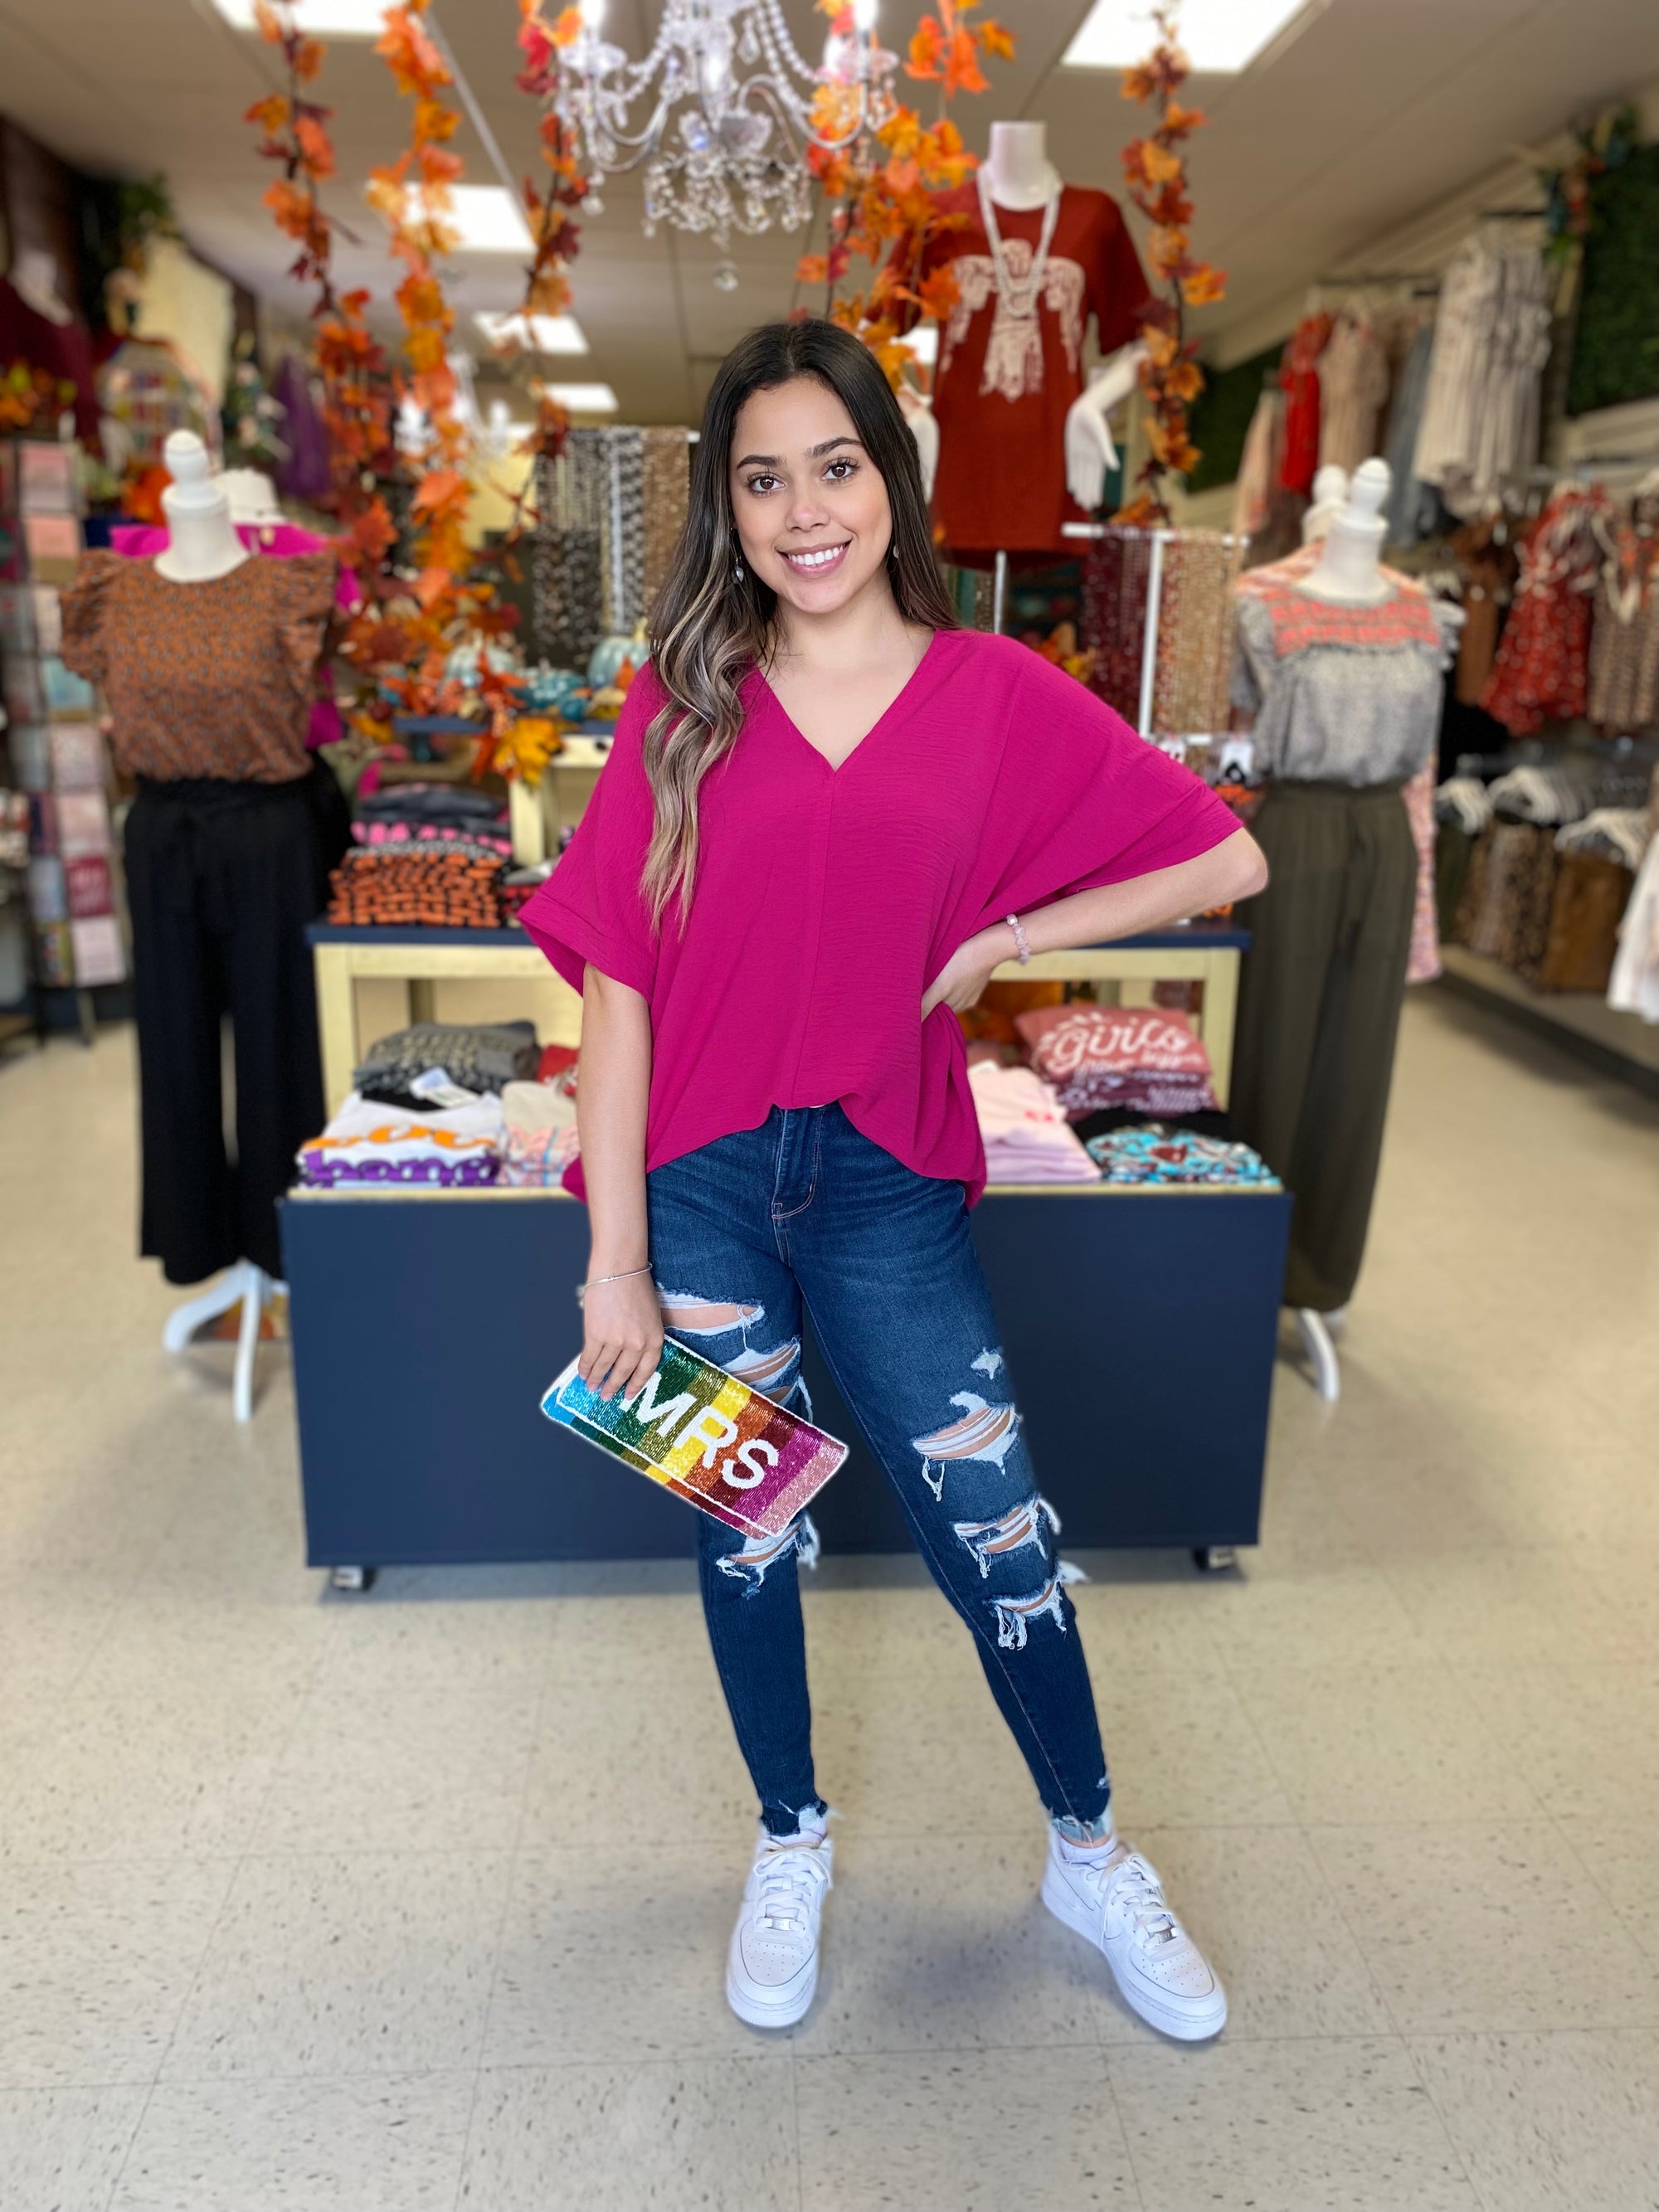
803,1208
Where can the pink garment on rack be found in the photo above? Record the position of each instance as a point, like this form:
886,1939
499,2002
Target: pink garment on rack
1423,962
279,541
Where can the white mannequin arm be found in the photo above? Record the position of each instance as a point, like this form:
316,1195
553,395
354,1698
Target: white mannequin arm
918,412
1089,448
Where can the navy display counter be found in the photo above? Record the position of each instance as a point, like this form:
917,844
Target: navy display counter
1139,1327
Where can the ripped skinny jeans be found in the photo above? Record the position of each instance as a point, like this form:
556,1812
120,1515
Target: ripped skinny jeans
804,1208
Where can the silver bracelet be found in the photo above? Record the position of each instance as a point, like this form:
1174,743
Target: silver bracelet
582,1289
1022,943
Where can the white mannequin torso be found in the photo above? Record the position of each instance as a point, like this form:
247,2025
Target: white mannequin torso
203,541
1349,569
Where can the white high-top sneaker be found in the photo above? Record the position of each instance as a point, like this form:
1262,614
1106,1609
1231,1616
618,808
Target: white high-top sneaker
772,1968
1115,1899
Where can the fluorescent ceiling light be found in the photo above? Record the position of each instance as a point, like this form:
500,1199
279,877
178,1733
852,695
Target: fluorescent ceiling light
541,333
319,19
583,398
1219,37
486,218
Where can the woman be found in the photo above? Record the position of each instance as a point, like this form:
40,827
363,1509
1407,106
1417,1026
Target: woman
829,814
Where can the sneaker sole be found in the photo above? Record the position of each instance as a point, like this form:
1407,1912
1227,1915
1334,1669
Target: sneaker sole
1169,2021
755,2012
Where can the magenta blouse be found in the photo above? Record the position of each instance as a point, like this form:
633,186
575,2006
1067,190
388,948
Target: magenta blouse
827,899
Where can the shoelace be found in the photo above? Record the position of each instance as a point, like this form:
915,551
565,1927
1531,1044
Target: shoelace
791,1875
1135,1884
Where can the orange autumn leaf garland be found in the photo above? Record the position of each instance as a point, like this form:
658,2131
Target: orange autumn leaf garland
881,189
443,607
356,393
1155,171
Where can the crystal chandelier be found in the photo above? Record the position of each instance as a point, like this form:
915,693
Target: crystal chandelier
733,111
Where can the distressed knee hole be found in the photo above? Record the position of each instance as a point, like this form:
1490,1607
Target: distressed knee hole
774,1373
981,1432
688,1313
1021,1525
1014,1615
749,1564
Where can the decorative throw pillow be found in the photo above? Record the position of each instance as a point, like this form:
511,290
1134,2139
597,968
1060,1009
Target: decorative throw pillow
1143,1058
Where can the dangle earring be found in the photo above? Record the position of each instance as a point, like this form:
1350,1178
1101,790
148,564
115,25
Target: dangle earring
738,570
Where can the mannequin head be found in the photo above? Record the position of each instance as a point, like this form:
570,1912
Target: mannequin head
1350,569
1330,496
203,545
1020,174
193,490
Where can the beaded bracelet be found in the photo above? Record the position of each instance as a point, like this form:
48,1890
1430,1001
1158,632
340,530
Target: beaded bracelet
1022,943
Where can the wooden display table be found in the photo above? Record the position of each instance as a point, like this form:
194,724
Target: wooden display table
1203,953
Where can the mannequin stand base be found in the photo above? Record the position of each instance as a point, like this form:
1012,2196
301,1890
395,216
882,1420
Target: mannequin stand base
1321,1352
254,1289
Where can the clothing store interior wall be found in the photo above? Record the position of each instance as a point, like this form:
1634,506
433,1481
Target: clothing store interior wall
491,1310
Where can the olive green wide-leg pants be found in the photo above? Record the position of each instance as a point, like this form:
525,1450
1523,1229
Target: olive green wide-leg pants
1319,1008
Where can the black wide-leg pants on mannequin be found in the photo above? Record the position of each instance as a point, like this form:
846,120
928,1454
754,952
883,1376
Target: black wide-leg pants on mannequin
1318,1012
222,880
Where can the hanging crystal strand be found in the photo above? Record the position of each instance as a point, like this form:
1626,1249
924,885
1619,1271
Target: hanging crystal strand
624,529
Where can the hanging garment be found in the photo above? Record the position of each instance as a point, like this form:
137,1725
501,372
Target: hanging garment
1541,671
1259,465
1298,377
1115,577
1487,567
1011,360
1319,1006
1624,655
1196,624
1591,895
212,680
1353,388
223,880
1634,986
303,474
29,339
1412,506
1481,410
1423,964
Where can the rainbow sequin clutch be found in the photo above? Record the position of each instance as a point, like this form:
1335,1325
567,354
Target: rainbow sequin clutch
707,1437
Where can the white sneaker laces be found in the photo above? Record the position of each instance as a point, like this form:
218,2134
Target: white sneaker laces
791,1877
1137,1889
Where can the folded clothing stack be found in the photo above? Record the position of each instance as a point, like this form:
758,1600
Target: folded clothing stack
1140,1060
369,1142
420,883
540,1139
476,1056
1171,1156
1026,1136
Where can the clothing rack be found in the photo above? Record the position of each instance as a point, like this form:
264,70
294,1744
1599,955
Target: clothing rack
1159,539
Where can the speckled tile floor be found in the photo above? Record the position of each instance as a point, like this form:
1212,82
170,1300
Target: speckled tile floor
359,1906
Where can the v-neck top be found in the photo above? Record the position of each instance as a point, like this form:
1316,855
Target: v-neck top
827,899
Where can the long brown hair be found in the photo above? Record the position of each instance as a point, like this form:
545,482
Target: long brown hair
710,626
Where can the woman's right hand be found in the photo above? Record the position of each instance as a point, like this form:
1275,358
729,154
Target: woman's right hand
621,1336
